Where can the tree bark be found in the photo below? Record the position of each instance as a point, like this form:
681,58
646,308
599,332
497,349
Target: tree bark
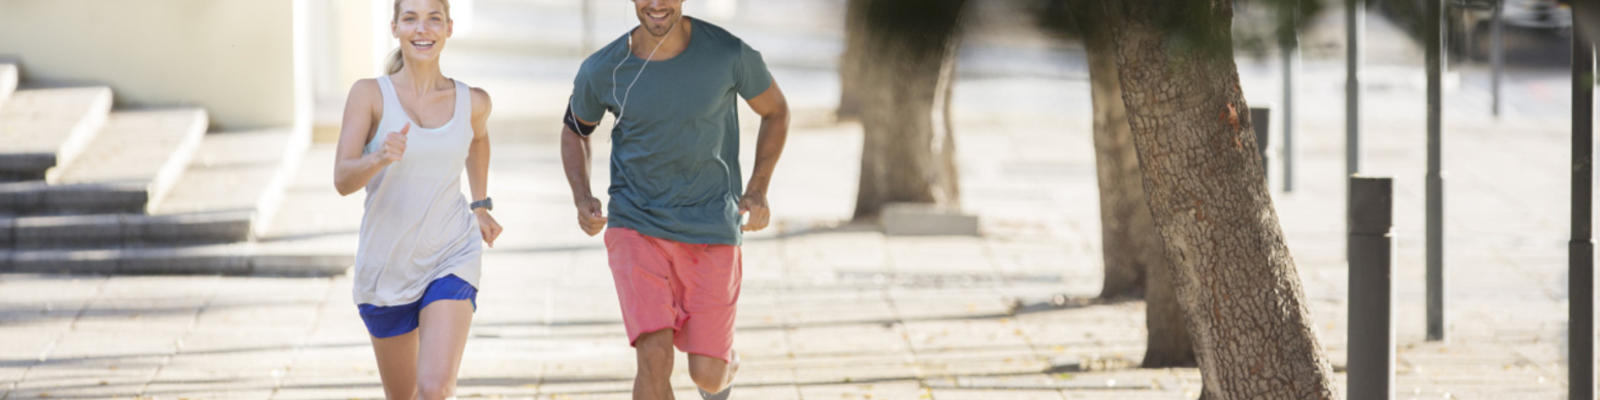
1134,256
909,149
1128,239
850,63
1231,270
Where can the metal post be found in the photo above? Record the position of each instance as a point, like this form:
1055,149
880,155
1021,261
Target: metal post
1289,49
1371,257
1261,120
1355,27
588,27
1497,57
1580,250
1434,179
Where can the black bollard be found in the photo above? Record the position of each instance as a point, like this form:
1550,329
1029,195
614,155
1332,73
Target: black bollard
1371,256
1580,250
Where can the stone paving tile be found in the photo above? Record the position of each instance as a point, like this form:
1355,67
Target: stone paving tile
983,394
329,384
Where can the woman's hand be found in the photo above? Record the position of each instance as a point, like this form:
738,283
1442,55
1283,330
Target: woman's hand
394,147
487,226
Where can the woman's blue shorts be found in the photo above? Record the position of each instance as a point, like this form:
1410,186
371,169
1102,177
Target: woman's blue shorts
391,321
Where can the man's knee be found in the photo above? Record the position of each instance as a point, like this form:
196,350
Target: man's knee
710,374
655,352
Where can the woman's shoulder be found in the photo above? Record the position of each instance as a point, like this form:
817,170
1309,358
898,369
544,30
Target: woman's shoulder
364,86
365,92
480,100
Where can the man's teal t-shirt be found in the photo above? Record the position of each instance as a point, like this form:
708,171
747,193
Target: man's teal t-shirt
675,153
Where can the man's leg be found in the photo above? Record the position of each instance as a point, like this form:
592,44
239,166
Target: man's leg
711,276
650,312
654,378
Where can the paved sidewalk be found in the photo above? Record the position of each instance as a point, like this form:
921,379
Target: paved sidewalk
829,310
838,311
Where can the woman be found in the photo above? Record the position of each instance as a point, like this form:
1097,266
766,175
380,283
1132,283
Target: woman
418,260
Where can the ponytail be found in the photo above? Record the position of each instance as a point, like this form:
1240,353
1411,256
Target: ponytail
396,61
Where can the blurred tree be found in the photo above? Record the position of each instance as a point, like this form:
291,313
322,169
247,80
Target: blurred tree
904,63
1134,258
850,63
1231,269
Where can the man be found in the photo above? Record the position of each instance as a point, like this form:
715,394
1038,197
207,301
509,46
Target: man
674,230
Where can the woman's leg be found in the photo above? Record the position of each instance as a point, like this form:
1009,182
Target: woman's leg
397,364
443,336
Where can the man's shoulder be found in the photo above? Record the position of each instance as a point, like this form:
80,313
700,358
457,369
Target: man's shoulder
720,37
609,54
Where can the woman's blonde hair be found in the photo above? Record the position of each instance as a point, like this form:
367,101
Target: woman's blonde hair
396,59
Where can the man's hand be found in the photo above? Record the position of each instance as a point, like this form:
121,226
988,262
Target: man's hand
756,205
589,216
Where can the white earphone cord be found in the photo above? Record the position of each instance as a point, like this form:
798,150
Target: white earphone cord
622,106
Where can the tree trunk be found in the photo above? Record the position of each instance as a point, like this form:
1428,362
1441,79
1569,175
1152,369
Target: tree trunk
909,149
1134,256
851,62
1128,238
1232,272
1167,339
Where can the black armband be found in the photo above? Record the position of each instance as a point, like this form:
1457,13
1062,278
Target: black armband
576,125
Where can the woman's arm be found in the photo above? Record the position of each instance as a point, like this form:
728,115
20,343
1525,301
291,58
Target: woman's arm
351,169
478,164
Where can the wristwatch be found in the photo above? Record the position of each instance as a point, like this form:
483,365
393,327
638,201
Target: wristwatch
486,203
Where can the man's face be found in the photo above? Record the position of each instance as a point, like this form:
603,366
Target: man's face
658,16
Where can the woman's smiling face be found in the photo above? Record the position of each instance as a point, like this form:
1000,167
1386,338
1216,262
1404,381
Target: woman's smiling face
422,26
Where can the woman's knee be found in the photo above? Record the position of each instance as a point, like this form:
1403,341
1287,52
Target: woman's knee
436,387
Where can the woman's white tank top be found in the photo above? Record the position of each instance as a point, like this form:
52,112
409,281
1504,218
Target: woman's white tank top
417,226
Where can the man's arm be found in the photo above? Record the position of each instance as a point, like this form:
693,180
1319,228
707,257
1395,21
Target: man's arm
774,111
575,160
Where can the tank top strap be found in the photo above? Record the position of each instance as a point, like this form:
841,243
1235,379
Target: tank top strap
388,88
391,101
463,102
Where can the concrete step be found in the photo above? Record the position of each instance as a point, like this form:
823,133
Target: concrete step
46,128
127,168
150,147
8,82
288,258
39,198
231,184
238,171
123,230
